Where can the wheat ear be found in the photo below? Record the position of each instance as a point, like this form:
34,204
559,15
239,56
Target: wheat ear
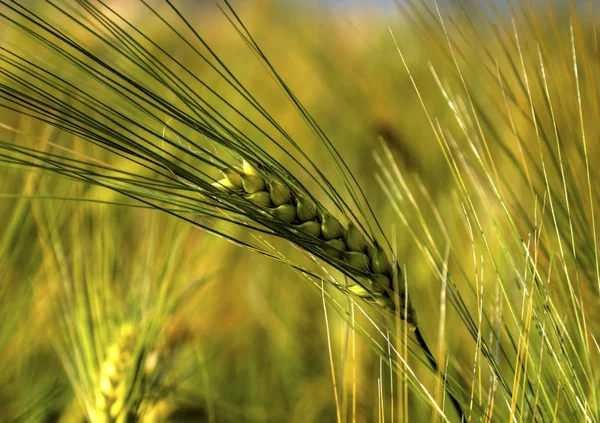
111,398
287,210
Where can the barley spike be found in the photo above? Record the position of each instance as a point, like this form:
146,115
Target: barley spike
111,399
297,213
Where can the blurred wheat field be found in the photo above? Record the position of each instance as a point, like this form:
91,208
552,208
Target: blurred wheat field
470,127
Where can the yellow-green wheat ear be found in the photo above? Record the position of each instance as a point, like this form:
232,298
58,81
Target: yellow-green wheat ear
367,264
111,397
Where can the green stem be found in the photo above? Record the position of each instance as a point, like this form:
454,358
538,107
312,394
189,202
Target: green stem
434,365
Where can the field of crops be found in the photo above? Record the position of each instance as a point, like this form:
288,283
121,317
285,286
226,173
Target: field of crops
279,211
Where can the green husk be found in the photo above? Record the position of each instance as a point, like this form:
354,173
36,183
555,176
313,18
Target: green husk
306,208
379,259
285,213
280,194
354,239
335,248
260,198
358,261
311,228
330,226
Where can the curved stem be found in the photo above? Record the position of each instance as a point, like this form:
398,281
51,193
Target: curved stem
421,341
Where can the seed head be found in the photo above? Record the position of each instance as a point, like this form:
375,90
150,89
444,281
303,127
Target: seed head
111,395
345,247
